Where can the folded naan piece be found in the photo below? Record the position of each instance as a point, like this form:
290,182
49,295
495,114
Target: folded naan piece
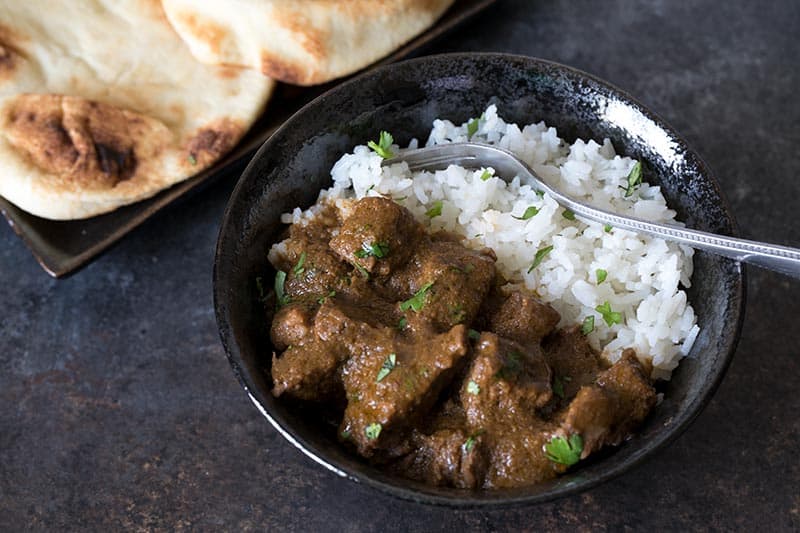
303,42
102,104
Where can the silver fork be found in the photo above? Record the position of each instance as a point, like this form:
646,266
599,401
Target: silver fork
472,155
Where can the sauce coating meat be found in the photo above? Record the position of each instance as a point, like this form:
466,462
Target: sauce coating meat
437,370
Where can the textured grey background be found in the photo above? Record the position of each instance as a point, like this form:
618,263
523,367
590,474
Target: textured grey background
118,408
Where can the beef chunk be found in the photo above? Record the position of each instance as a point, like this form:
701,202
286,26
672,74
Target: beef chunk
505,380
394,399
608,411
378,236
572,359
520,316
292,325
457,280
449,457
319,273
309,372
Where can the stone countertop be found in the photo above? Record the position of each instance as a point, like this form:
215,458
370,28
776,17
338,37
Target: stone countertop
118,408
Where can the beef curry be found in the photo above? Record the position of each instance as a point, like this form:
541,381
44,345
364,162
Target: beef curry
436,369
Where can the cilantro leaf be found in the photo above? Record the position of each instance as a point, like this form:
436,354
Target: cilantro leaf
321,299
486,175
472,127
607,228
298,268
435,210
539,193
588,325
470,442
473,388
373,430
610,317
362,270
539,257
473,334
417,301
402,323
529,213
388,365
569,215
601,275
376,249
634,179
382,147
281,297
563,451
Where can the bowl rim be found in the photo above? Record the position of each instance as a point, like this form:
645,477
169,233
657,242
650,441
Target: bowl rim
647,450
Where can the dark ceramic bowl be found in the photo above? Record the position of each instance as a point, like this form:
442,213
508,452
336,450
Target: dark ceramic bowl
405,98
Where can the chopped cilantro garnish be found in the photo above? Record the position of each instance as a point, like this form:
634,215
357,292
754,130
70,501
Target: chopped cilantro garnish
402,323
610,317
435,210
382,147
558,387
486,175
539,193
298,268
588,325
281,297
529,213
601,275
472,127
473,388
362,270
388,365
346,434
569,215
470,442
416,302
563,451
473,334
539,257
376,249
192,159
373,430
607,228
321,299
634,179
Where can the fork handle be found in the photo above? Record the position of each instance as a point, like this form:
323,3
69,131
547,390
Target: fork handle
771,256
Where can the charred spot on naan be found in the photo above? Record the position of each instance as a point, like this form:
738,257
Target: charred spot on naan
9,52
85,145
212,141
204,30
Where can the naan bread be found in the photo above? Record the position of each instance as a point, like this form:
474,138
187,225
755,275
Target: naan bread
302,42
102,104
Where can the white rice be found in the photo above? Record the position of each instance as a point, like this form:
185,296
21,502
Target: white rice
644,274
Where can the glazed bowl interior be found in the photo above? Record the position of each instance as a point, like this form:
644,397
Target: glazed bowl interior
404,99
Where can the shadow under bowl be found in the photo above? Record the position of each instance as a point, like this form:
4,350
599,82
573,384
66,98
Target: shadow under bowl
404,98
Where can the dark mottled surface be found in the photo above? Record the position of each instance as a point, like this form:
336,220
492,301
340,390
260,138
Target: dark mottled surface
118,408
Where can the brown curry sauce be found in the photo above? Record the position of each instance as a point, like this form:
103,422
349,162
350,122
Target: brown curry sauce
435,370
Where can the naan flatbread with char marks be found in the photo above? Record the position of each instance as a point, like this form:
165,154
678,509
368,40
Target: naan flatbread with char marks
303,42
102,104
